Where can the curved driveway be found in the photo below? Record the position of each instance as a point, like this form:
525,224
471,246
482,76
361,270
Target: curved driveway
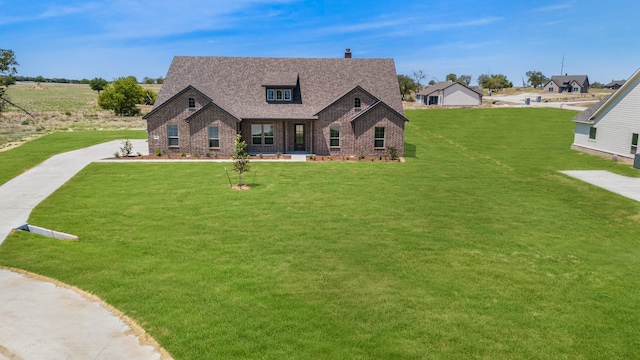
40,319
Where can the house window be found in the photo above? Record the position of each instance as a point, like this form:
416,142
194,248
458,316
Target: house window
433,100
334,136
172,134
550,89
192,103
214,137
262,134
357,103
634,143
592,133
575,89
378,140
279,94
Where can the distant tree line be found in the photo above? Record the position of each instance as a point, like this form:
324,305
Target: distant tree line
42,79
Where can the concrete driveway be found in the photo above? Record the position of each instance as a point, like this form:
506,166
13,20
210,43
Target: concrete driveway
40,319
623,185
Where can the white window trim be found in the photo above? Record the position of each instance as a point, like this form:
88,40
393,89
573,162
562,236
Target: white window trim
333,138
285,92
213,138
283,95
378,139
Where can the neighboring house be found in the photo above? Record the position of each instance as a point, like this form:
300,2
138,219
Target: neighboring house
612,126
568,83
340,106
615,84
449,93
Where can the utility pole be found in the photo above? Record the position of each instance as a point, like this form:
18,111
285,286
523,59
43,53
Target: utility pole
562,68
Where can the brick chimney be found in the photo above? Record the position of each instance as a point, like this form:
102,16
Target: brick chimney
347,54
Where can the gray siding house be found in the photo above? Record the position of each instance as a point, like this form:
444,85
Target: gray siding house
449,93
612,126
568,83
340,106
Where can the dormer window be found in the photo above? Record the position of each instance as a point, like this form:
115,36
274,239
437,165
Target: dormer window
279,95
357,103
192,103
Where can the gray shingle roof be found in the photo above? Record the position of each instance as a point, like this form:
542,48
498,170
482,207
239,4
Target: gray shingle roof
585,115
443,85
582,80
616,83
237,84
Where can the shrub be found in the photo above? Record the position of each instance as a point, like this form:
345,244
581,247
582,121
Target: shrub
116,154
183,154
215,156
278,154
158,152
139,153
393,153
25,122
196,154
207,154
68,113
260,155
361,156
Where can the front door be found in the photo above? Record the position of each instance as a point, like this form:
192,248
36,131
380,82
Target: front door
299,139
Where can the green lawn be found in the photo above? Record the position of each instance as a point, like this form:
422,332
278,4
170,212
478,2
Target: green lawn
476,247
16,161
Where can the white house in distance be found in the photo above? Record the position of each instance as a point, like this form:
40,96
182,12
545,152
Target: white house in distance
612,126
449,93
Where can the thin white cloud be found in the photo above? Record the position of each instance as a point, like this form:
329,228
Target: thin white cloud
51,12
462,24
555,7
139,19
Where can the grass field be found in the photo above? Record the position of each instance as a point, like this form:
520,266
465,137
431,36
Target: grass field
475,247
58,107
22,158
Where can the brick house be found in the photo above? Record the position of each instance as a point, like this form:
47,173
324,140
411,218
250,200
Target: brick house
341,106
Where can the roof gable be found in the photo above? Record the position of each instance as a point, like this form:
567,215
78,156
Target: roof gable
375,105
357,88
444,85
598,109
164,103
204,108
238,84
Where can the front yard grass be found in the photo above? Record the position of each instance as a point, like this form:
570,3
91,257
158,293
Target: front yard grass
15,161
476,247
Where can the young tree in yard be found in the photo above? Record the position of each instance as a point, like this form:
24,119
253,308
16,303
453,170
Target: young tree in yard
122,96
98,84
406,85
536,78
240,158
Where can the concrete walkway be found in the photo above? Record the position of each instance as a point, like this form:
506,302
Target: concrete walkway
43,320
623,185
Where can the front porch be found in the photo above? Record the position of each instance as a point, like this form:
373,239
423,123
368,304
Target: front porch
291,137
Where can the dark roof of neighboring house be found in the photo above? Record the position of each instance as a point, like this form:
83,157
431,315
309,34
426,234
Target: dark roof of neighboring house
582,80
616,83
443,85
238,84
585,115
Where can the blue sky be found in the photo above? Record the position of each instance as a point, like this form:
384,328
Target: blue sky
113,38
